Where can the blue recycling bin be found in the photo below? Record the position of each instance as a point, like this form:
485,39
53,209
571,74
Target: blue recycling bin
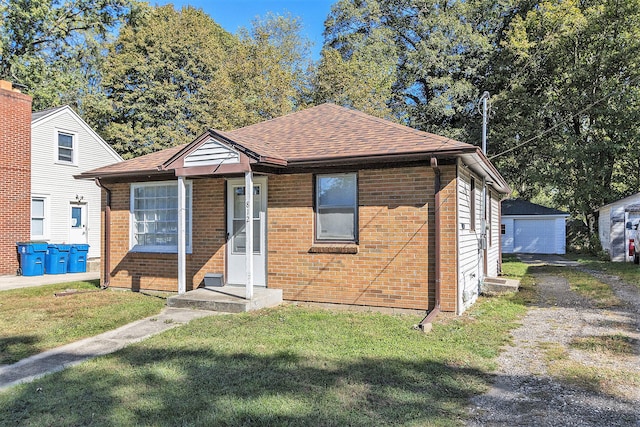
78,259
32,258
56,259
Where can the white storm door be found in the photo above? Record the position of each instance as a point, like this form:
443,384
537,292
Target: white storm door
236,242
78,223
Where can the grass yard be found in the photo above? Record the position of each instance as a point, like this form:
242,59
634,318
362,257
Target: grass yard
627,271
34,319
285,366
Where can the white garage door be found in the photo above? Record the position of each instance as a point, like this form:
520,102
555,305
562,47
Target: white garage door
534,236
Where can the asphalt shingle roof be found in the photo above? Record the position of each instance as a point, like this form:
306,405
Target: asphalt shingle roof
36,115
330,131
524,207
324,132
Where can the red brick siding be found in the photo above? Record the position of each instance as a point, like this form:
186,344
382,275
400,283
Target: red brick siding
15,186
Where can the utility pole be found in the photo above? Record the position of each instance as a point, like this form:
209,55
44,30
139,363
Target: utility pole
483,233
485,98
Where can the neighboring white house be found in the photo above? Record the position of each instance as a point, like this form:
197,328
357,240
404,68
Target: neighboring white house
614,226
64,209
530,228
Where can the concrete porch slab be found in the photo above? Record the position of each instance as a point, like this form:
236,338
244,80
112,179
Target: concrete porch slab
226,299
499,285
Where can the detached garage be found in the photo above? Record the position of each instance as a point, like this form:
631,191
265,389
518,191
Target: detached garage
532,229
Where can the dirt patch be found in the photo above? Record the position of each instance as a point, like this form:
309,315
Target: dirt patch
558,372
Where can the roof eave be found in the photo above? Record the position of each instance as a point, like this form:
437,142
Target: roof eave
478,162
375,158
124,174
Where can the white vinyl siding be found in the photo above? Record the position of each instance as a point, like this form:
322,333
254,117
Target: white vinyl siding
604,228
55,179
212,152
493,250
154,217
469,267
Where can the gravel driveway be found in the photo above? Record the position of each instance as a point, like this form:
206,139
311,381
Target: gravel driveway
525,394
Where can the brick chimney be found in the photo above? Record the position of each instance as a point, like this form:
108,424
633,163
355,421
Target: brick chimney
15,173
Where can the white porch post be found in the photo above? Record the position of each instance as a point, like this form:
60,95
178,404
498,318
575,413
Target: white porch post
182,236
248,223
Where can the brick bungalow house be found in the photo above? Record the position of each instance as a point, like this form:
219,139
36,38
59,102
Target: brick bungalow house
346,208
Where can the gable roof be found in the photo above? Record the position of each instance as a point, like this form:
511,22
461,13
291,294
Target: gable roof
634,198
40,117
325,135
517,207
37,115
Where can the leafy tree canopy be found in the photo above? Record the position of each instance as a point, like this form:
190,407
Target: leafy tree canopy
50,46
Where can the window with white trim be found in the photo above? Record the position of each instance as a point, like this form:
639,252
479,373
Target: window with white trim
154,217
66,147
38,217
336,207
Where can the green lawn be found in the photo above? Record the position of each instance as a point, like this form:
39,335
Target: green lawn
34,319
627,271
285,366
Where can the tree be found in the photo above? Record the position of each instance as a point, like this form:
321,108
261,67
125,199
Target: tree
51,47
174,74
441,51
271,68
570,108
363,81
167,80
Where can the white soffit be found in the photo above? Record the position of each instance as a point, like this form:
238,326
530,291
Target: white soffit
212,152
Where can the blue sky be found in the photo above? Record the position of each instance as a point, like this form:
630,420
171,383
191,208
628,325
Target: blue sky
233,14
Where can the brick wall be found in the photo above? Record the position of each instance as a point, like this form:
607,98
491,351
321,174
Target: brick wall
160,271
394,265
448,239
15,168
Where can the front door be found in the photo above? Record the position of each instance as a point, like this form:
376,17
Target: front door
78,223
236,249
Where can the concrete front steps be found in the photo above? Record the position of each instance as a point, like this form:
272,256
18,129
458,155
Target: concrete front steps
227,299
499,285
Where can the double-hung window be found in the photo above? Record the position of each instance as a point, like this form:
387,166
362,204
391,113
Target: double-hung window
336,207
66,148
154,217
38,226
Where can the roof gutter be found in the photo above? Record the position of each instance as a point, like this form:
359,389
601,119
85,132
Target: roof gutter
426,323
378,158
107,236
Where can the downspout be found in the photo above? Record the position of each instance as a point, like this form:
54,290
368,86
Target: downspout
425,324
107,235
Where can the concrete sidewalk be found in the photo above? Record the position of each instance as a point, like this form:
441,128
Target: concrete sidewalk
60,358
17,282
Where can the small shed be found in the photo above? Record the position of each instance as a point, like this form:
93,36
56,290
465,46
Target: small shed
530,228
615,222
